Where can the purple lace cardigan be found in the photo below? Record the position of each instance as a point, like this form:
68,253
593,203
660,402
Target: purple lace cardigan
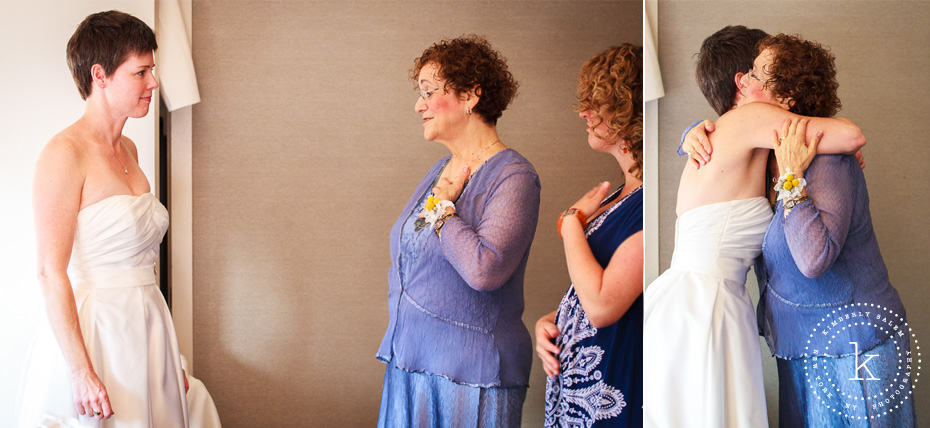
456,303
823,258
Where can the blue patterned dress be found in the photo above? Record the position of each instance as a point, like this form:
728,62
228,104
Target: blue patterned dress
601,379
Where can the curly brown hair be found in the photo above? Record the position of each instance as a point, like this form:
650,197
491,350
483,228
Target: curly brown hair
469,62
611,85
803,74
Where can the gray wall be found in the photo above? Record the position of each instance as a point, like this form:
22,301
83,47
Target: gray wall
306,148
882,56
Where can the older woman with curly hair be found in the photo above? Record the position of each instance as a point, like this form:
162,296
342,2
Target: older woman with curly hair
591,346
821,267
456,349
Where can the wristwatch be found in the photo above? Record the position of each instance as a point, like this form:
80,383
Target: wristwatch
441,221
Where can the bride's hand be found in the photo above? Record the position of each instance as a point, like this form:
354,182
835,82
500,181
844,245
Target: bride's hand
90,396
697,144
792,150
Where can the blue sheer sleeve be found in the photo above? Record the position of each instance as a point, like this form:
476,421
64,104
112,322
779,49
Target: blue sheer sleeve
816,230
486,254
683,134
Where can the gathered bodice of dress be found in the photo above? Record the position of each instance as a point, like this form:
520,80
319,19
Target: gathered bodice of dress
117,233
124,321
700,340
721,239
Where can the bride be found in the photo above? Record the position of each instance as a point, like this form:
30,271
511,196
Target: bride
116,363
701,347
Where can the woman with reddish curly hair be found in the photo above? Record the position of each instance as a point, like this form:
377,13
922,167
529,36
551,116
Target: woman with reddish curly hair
456,349
591,346
821,266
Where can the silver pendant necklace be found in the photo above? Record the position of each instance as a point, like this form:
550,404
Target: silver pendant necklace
125,170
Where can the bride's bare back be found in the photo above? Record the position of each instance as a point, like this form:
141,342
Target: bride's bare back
737,171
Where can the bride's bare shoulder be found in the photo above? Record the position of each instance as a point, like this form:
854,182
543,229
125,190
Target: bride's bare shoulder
63,149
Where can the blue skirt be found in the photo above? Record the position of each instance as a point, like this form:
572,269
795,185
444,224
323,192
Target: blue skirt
858,403
412,399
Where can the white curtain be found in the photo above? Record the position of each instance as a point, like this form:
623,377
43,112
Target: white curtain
173,63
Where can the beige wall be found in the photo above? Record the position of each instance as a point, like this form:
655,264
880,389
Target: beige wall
882,53
306,147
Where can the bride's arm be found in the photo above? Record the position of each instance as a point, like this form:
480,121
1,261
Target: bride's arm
759,121
56,201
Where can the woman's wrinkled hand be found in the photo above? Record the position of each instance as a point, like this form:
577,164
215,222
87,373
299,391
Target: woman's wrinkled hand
791,148
546,332
450,189
697,144
591,201
90,396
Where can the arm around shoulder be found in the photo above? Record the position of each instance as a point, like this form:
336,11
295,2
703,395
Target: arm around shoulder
761,121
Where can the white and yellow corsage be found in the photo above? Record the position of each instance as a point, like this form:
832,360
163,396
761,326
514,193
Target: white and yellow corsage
789,186
434,214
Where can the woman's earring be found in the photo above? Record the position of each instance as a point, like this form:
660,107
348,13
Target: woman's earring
468,111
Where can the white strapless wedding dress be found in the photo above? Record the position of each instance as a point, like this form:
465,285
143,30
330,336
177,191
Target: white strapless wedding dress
126,325
702,364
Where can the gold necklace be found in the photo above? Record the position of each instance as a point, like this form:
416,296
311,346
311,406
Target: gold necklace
478,155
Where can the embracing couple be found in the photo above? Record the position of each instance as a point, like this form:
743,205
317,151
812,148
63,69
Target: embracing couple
827,310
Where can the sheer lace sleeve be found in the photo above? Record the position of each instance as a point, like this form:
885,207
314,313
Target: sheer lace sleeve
486,253
816,230
681,143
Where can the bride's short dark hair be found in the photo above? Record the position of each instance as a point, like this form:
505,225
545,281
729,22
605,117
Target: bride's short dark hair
728,51
106,38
